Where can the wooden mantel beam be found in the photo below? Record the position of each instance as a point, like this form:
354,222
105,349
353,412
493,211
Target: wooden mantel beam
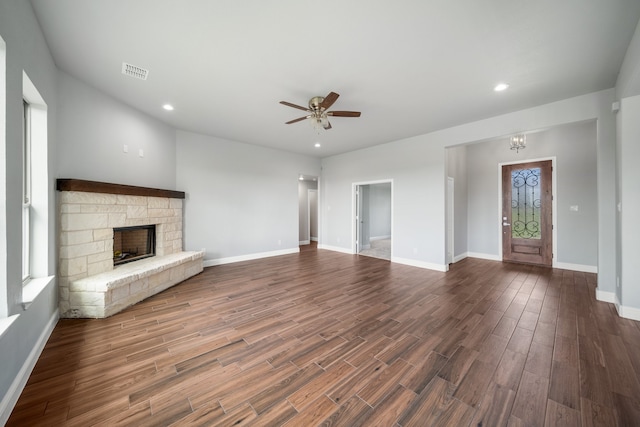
65,184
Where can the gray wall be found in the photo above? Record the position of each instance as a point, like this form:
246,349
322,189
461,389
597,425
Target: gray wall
417,166
26,50
574,147
628,292
380,210
241,199
93,128
417,171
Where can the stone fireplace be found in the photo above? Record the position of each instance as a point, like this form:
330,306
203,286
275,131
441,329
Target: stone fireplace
92,281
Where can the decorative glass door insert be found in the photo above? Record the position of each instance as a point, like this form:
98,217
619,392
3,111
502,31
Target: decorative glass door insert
525,203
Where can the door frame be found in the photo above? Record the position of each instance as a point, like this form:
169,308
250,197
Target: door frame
554,205
354,212
450,220
309,191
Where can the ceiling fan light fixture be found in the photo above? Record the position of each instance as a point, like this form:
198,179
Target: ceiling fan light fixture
318,115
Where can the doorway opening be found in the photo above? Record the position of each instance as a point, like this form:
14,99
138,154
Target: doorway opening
373,207
307,210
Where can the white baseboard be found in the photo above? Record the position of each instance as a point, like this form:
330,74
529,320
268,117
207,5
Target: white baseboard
304,242
460,257
629,312
490,257
248,257
562,265
576,267
380,237
405,261
11,398
632,313
335,249
420,264
314,239
606,296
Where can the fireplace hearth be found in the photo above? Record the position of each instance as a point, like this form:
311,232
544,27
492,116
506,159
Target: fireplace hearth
91,213
133,243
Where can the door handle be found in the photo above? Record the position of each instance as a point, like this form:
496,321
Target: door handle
505,224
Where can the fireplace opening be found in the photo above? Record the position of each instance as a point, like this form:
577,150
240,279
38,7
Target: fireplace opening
133,243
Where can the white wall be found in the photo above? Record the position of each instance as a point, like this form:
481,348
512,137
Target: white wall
93,129
242,200
21,340
574,147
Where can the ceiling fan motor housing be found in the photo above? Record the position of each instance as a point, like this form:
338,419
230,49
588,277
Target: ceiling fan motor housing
315,102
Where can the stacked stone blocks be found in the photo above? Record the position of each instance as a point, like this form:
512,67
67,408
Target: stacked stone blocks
87,221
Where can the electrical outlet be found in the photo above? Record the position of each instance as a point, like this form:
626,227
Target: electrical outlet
141,153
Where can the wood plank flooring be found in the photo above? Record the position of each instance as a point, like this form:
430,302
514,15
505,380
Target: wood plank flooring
324,338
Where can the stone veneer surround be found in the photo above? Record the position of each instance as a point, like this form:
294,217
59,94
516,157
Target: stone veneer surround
87,220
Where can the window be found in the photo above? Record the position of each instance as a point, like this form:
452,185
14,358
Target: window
35,188
26,192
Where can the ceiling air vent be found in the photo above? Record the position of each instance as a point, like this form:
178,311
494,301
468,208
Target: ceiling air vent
133,71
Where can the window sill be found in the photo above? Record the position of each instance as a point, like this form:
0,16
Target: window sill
33,288
5,324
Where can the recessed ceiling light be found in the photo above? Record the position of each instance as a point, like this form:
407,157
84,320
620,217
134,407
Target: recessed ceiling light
317,145
301,178
500,87
168,107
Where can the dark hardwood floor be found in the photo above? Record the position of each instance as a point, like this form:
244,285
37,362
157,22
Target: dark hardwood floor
326,338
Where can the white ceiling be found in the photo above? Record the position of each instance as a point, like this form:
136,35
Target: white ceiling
411,66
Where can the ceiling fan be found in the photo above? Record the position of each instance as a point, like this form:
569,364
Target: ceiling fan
317,110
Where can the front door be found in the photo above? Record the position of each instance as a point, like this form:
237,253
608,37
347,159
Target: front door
526,213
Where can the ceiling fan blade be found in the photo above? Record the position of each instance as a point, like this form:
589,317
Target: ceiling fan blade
299,119
344,113
329,100
288,104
